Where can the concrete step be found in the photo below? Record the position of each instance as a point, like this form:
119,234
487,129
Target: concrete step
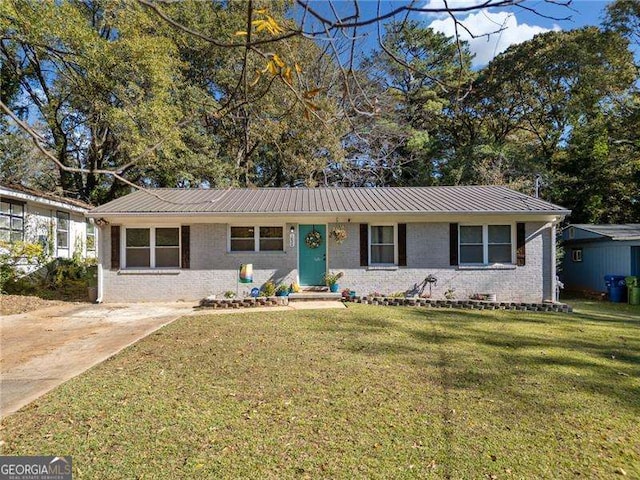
302,296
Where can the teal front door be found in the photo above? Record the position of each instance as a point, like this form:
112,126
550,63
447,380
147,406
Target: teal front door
312,261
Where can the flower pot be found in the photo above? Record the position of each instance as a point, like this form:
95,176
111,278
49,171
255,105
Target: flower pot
282,294
334,288
92,293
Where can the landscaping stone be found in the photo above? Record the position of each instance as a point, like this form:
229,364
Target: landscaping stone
396,302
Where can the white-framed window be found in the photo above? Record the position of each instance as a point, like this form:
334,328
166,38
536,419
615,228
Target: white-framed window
11,221
571,233
383,245
485,244
152,247
576,254
91,236
62,230
256,238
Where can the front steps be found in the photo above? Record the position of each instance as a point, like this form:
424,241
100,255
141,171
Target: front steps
314,295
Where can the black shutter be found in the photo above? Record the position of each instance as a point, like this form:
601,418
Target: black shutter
115,247
453,244
521,250
185,232
402,244
364,244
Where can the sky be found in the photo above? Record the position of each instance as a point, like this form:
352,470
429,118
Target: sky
519,24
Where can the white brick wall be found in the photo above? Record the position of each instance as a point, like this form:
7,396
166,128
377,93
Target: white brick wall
214,270
428,253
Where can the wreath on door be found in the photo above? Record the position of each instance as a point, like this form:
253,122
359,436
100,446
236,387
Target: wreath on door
313,239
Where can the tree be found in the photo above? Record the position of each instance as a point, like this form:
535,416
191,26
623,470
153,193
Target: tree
128,91
623,16
416,81
528,101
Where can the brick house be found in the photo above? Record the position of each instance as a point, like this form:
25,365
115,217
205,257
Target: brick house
172,244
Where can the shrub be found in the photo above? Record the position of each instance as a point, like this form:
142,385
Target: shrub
269,289
16,260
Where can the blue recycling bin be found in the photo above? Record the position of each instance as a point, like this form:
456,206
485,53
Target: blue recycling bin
616,288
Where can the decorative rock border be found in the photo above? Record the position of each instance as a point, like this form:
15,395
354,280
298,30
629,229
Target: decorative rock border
463,304
248,302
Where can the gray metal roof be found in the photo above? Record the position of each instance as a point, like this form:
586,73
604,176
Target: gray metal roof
628,231
404,200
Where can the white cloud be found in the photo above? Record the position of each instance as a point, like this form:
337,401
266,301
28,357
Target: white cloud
485,22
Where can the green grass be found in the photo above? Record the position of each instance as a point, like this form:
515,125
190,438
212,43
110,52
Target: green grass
367,392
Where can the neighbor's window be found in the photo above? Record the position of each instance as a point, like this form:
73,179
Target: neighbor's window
152,247
256,239
383,249
11,221
576,254
62,230
91,237
485,244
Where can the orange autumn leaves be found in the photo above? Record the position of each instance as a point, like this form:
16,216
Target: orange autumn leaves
275,64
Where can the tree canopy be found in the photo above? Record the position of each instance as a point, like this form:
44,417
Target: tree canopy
100,96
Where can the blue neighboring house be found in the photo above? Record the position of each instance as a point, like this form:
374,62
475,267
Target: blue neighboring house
593,251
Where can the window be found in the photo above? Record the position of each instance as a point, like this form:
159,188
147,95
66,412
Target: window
11,221
382,245
62,230
138,247
256,239
152,247
243,239
471,244
91,237
499,243
576,254
485,244
271,238
167,252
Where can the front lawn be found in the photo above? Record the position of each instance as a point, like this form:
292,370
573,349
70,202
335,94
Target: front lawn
366,392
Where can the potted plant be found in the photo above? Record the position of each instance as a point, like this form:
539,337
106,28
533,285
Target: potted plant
331,280
282,290
269,289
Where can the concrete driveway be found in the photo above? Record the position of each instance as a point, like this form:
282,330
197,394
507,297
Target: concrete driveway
40,350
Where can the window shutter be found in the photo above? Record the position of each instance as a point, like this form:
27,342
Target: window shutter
453,244
115,247
364,244
402,244
521,250
185,233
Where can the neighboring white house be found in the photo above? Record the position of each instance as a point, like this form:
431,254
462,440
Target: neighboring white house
171,244
58,223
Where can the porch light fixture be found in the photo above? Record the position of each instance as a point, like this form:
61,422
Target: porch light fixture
292,237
